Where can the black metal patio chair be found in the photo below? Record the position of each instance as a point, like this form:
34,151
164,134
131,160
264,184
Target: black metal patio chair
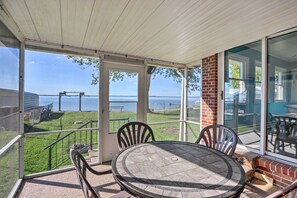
81,167
219,137
133,133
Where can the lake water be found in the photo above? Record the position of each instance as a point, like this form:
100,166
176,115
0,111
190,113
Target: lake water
90,103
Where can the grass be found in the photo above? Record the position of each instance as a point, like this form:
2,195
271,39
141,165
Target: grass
9,173
36,159
7,136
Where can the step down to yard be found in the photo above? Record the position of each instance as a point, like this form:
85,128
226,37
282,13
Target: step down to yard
93,153
257,189
263,178
249,172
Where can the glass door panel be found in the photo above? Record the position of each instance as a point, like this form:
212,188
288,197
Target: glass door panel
242,99
123,98
282,99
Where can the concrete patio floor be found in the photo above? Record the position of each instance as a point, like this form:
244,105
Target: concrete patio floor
65,185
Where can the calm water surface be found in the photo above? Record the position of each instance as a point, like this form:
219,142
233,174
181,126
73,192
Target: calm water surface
90,103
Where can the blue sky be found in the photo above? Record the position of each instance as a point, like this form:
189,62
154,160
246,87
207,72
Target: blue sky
9,68
48,73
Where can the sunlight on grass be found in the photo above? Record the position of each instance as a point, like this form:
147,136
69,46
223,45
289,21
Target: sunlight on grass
36,159
9,174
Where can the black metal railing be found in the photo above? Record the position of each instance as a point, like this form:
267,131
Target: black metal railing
82,140
115,124
78,139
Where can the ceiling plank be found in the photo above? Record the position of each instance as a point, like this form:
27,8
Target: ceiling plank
46,17
75,20
128,24
103,19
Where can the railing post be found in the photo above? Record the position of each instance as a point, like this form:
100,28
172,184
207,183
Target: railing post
50,158
91,135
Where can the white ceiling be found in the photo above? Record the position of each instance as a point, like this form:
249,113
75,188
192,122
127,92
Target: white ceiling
180,31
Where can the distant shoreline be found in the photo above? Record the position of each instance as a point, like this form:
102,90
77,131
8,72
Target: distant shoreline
127,103
123,96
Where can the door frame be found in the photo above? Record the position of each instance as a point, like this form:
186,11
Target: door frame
107,141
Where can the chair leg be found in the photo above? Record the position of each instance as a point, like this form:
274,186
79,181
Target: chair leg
275,144
283,145
296,149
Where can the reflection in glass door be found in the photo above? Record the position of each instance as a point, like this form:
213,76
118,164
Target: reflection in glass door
242,99
282,99
123,98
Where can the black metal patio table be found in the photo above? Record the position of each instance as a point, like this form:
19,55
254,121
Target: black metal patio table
177,169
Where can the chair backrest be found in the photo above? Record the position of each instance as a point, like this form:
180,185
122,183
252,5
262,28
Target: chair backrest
81,166
270,120
219,137
285,126
133,133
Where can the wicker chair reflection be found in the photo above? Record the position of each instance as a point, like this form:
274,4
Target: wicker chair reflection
219,137
134,133
286,132
271,127
81,166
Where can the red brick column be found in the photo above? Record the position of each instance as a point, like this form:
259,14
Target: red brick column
209,90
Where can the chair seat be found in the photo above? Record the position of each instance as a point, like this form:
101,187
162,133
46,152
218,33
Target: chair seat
288,139
122,194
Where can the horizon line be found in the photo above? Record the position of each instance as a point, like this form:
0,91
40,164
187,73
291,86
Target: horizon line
91,95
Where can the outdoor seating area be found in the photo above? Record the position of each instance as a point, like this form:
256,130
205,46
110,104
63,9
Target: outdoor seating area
138,98
134,171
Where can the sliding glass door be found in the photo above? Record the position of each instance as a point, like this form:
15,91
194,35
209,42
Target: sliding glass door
244,91
242,99
282,97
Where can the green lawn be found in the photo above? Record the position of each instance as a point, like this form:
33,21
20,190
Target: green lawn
7,136
36,159
9,170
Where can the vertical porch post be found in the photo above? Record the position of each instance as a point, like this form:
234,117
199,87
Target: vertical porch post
21,110
185,104
181,123
264,95
100,110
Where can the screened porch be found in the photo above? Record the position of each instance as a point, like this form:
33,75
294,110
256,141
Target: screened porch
73,72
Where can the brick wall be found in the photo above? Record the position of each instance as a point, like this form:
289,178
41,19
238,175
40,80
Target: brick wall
209,90
282,174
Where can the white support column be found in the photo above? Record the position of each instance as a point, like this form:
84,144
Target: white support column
181,124
21,112
146,93
100,110
185,104
263,97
